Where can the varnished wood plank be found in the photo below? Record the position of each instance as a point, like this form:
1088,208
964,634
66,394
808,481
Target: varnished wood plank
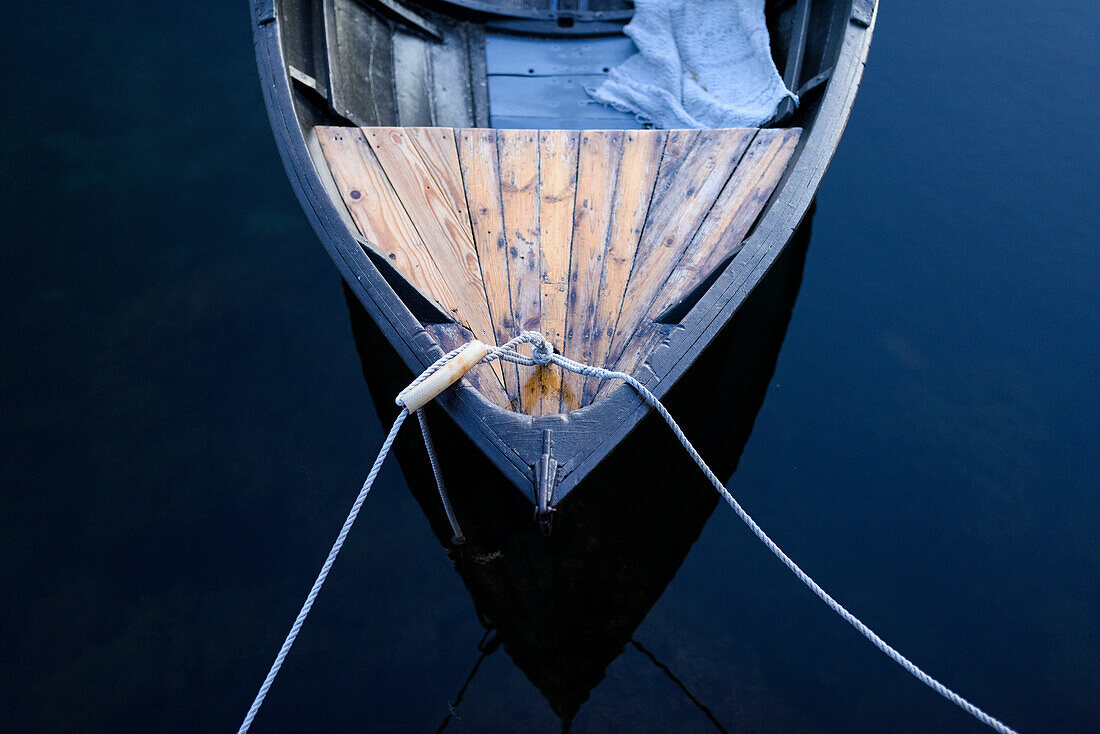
681,202
557,191
448,237
737,208
634,184
519,190
477,152
483,377
381,218
598,163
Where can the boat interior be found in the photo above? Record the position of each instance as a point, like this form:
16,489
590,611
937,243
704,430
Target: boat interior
495,197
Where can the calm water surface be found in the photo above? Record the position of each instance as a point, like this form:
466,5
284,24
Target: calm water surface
186,420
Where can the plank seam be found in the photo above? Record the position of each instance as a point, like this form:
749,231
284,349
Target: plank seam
536,407
702,220
507,244
641,234
588,358
611,343
477,251
569,267
416,151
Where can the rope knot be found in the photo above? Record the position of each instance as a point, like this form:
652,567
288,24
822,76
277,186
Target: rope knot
541,349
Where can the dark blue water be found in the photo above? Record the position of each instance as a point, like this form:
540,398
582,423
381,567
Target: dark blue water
185,421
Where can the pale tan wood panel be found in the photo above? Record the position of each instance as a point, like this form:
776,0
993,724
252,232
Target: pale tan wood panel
674,215
519,191
737,208
380,217
597,166
448,238
439,151
477,152
483,377
634,184
557,191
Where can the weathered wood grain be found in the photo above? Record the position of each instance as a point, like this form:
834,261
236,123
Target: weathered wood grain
519,191
586,236
735,211
725,226
687,187
597,167
381,218
477,152
557,191
447,236
439,151
634,184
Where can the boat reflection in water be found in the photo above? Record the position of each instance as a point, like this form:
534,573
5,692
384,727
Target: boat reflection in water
565,605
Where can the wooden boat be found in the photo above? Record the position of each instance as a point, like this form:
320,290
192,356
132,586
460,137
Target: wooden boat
447,157
564,607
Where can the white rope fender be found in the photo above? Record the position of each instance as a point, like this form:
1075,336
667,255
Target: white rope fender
543,354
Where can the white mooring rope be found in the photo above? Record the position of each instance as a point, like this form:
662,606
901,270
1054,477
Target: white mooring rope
543,354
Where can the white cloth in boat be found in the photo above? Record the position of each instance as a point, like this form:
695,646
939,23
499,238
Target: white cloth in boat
700,64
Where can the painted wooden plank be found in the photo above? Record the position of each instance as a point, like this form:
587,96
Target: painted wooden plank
598,163
551,102
380,217
519,191
557,191
737,208
634,184
483,377
477,152
448,237
687,187
533,56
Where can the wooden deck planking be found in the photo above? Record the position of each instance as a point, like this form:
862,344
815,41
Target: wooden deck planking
597,168
725,226
588,236
447,236
518,151
679,206
381,218
735,211
481,176
439,151
634,184
557,192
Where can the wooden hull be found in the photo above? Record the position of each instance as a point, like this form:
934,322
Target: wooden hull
289,34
